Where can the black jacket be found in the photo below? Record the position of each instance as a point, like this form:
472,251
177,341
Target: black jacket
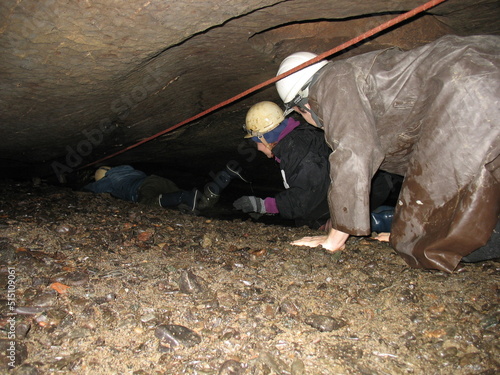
305,168
303,156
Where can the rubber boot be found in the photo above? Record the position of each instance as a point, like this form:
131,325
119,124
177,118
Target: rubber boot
381,219
208,199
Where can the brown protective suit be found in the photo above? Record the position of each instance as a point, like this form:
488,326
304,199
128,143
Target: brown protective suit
431,114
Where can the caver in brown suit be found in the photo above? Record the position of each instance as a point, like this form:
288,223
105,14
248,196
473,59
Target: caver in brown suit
431,114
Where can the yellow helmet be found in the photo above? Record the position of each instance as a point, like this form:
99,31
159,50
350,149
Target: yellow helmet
101,172
262,118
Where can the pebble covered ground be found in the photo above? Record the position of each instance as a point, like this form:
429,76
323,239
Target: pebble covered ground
94,285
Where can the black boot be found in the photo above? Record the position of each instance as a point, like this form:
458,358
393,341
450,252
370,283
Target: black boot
208,199
489,251
184,200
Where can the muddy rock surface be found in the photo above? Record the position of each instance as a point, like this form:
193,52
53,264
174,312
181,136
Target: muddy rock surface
94,285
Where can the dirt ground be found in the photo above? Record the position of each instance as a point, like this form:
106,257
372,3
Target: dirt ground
94,285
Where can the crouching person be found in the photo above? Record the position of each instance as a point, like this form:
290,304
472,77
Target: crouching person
302,154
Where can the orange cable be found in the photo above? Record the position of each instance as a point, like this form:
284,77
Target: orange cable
343,46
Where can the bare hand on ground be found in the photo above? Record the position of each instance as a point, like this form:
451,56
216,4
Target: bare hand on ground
335,241
383,237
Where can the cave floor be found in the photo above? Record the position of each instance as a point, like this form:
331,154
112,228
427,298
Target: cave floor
102,286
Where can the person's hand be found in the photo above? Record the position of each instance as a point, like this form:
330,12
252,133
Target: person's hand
250,204
310,241
383,237
335,241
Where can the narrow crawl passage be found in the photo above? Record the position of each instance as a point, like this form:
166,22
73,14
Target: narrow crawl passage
324,55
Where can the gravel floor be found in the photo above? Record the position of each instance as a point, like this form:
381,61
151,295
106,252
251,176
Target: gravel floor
94,285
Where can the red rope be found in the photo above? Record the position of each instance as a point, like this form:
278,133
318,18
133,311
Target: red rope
341,47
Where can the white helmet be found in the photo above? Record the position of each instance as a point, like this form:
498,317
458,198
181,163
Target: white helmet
262,118
101,172
289,87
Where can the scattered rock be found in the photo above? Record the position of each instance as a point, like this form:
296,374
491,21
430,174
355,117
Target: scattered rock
289,307
25,369
232,367
298,367
45,299
172,336
128,272
324,323
189,283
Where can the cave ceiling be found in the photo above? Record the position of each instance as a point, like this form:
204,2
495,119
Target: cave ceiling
84,80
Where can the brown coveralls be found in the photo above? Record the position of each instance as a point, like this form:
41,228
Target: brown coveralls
431,114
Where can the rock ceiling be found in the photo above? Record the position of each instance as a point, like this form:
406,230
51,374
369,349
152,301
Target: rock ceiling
82,80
